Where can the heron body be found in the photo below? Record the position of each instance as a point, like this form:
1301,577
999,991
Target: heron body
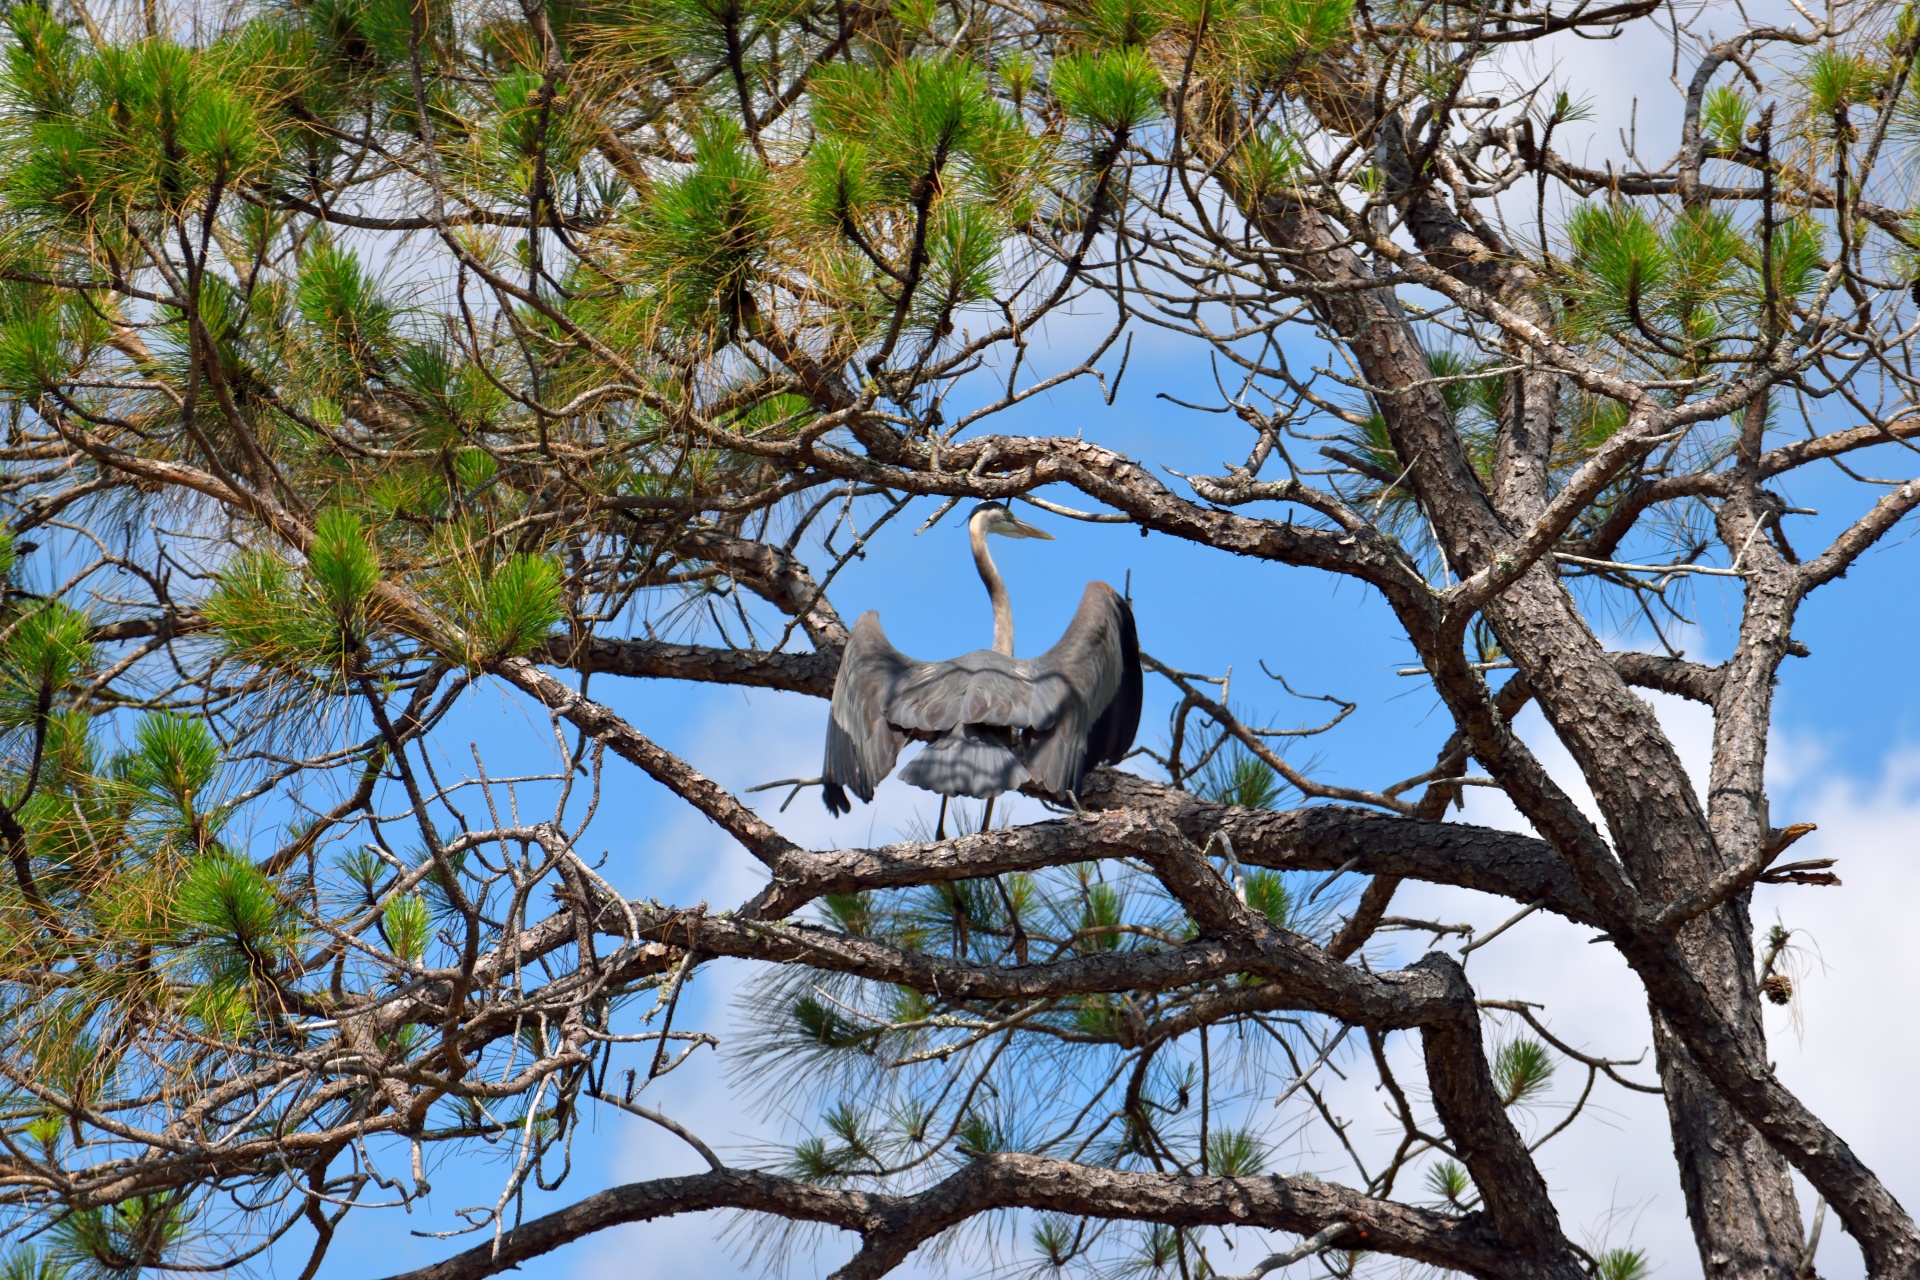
992,722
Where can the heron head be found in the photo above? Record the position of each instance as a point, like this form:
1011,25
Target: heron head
995,517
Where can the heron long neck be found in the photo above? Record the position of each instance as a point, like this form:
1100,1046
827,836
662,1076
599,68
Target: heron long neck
996,590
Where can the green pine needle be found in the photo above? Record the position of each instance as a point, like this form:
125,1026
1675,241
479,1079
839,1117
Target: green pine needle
30,1264
342,563
1267,893
408,925
519,606
702,234
136,1235
850,913
1723,114
33,354
1110,93
352,323
270,618
1237,776
1450,1186
226,897
1235,1153
1522,1070
825,1025
174,758
46,655
979,1135
1623,1264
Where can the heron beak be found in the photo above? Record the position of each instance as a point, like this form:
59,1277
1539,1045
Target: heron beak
1019,528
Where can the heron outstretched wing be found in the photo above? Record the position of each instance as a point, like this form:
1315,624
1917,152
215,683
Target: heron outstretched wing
861,743
1096,666
1112,734
991,722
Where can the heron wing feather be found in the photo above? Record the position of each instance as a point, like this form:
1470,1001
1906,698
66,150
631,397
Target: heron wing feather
1112,734
982,687
861,743
1096,667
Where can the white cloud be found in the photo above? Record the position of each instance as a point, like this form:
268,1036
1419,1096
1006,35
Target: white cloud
1860,975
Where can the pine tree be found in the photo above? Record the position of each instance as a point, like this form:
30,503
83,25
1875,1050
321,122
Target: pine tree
360,354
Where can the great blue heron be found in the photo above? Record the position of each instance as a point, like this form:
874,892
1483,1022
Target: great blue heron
991,721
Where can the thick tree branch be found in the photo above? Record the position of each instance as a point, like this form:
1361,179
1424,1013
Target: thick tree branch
809,673
893,1226
1677,676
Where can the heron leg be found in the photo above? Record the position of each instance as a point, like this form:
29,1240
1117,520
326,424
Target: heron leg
986,818
1018,935
940,826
